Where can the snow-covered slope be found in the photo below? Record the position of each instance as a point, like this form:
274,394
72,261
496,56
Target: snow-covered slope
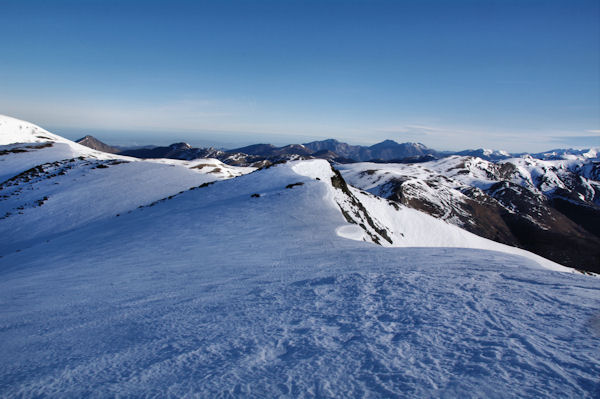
224,293
569,154
250,287
540,176
485,153
51,186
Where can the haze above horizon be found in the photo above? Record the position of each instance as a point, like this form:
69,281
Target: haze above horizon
513,75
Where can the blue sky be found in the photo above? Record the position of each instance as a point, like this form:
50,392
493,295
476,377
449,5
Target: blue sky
517,75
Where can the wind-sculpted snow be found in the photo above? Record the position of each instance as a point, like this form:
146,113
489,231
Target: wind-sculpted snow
216,293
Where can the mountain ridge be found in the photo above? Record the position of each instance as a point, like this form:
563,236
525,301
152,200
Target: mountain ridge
332,149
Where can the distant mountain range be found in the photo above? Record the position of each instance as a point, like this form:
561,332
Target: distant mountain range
261,154
387,151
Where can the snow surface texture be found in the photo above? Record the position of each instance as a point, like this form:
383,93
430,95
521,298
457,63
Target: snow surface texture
219,293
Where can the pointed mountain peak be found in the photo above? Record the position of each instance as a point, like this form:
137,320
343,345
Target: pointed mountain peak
95,144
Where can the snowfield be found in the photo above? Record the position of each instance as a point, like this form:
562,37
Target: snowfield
55,186
242,288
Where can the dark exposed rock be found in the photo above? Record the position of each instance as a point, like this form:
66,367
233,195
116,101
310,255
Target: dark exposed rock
562,226
94,143
360,213
25,148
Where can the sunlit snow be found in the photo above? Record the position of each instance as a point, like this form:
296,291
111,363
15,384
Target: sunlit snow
218,292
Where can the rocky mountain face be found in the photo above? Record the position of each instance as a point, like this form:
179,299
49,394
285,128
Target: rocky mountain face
551,208
94,143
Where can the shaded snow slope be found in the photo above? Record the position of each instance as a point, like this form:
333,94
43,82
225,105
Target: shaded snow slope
62,195
65,195
219,293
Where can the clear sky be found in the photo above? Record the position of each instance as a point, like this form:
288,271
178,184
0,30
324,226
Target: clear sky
517,75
